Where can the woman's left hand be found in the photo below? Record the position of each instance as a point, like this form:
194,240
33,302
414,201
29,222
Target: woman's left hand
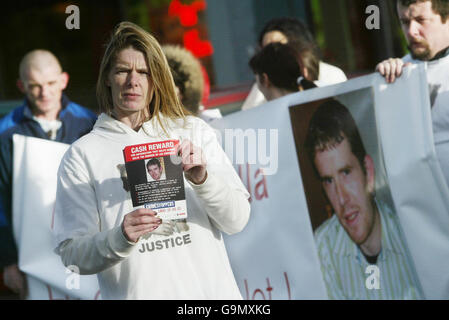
193,161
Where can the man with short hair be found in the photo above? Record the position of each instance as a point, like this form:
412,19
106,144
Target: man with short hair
363,231
46,113
425,25
154,169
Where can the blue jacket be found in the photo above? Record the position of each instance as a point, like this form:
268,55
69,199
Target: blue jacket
76,122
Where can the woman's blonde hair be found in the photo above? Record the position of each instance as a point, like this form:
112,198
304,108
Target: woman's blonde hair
165,99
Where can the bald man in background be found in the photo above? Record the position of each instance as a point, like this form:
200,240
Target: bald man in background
47,114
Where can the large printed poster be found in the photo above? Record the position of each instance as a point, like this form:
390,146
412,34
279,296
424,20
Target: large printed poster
357,231
357,207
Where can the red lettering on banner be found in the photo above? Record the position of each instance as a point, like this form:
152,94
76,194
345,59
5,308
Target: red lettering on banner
258,291
260,188
50,295
288,286
269,289
261,183
248,181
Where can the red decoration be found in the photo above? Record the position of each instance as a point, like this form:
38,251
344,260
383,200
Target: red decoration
188,17
187,13
194,44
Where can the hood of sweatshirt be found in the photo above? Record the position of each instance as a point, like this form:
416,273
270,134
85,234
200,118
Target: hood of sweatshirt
110,128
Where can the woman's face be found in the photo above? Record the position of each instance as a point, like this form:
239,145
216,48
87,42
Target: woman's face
130,82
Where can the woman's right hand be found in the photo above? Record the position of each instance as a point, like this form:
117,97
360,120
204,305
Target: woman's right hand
139,222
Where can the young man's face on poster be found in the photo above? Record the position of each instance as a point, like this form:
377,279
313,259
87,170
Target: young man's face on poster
348,187
155,171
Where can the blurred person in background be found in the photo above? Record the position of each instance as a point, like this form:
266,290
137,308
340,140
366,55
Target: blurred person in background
47,114
189,81
277,69
295,32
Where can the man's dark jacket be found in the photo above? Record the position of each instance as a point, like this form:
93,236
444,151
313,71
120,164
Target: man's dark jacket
76,122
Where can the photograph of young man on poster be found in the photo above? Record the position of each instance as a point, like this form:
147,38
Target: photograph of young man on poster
155,169
362,251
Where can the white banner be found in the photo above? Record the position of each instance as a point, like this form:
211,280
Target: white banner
36,163
275,257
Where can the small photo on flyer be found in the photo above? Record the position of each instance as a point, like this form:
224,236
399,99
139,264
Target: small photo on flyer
155,169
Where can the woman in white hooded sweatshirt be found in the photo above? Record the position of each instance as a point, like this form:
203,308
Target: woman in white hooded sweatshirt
135,254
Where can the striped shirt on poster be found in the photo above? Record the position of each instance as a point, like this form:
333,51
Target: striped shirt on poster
344,266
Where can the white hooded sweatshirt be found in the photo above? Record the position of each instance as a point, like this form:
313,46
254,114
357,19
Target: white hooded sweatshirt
189,261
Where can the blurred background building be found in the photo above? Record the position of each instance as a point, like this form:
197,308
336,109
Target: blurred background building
221,33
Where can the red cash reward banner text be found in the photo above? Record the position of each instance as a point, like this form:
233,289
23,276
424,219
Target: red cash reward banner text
150,150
